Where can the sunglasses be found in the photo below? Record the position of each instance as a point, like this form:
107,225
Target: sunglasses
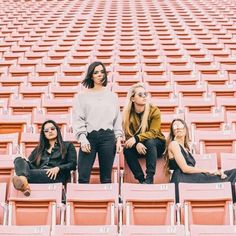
144,94
50,128
179,126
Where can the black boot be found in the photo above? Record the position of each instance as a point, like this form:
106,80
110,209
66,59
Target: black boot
149,179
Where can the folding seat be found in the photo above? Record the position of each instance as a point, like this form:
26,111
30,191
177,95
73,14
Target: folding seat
28,141
206,121
228,160
145,204
14,123
188,77
167,105
198,104
8,143
48,72
212,76
7,91
208,203
3,206
64,92
38,118
91,230
226,90
206,161
92,204
212,230
160,230
57,106
43,204
23,106
30,92
229,103
13,230
215,141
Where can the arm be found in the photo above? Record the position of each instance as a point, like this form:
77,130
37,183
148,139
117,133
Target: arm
154,128
70,157
79,122
175,150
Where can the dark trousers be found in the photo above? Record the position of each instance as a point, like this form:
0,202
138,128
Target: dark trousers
155,149
33,175
102,142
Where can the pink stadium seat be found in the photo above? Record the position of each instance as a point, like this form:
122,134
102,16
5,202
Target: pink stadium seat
163,230
228,161
206,203
207,161
104,230
3,206
8,143
148,204
92,204
28,142
43,204
212,230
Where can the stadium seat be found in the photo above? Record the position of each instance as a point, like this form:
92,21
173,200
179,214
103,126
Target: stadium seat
148,204
91,230
8,143
163,230
208,203
13,230
207,161
228,160
92,204
3,206
43,203
212,230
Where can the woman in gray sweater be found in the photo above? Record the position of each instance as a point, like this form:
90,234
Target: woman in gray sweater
97,124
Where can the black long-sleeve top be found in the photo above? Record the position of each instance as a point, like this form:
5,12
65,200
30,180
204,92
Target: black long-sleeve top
54,159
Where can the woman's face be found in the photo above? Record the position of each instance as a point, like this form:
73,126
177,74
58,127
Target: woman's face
98,75
140,96
179,129
50,131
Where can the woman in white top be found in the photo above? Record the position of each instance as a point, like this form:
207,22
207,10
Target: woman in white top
97,124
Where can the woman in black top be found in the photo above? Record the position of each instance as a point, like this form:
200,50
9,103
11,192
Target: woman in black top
180,159
50,162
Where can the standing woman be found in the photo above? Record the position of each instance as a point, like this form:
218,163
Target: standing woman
97,124
142,127
50,162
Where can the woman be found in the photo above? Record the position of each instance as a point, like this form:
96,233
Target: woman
97,124
50,162
142,127
180,160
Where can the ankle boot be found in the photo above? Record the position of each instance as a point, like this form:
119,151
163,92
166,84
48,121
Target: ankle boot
21,183
149,179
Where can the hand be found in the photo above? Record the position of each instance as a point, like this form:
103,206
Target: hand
86,148
141,149
52,173
222,174
130,142
212,172
118,145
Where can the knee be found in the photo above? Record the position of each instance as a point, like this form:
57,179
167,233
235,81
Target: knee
17,159
150,143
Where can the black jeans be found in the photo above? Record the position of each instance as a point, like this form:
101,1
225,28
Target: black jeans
102,142
33,175
155,149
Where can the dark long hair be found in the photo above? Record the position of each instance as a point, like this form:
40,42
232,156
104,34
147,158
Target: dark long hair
88,81
44,143
171,137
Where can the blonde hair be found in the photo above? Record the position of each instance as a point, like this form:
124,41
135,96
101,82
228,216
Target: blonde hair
129,109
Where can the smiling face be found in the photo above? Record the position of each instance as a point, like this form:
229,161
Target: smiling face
140,96
179,129
98,75
50,131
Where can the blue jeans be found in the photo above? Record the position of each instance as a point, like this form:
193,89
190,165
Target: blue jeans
155,149
102,142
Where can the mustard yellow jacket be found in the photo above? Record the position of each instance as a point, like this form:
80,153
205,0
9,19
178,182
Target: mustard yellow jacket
154,125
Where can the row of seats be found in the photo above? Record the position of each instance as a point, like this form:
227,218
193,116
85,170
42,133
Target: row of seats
101,204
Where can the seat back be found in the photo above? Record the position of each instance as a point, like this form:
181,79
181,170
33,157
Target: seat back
40,205
148,204
212,230
13,230
82,230
3,189
92,204
208,203
228,161
160,230
207,161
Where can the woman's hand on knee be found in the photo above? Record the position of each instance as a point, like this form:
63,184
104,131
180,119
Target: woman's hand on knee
141,149
130,142
52,173
86,148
